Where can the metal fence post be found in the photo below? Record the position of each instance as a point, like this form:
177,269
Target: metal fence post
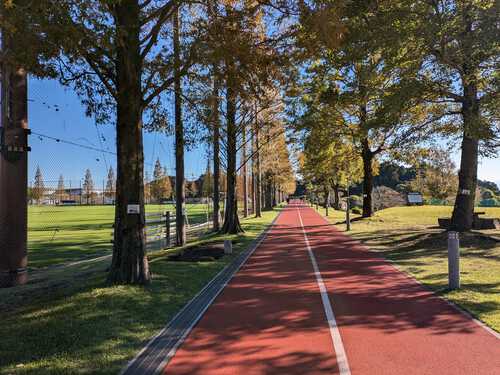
167,223
453,260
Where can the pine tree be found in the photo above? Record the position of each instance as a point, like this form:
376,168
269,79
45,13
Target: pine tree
207,184
60,188
88,187
156,185
165,186
110,184
38,189
147,188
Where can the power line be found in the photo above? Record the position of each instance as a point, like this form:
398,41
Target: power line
59,140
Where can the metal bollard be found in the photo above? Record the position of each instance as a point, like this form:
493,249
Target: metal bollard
453,260
228,247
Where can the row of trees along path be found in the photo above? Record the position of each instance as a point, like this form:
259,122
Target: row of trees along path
122,58
355,82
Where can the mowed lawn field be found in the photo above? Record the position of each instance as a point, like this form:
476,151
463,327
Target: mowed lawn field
61,234
69,321
411,239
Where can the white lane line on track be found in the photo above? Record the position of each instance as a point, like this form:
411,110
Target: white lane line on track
330,316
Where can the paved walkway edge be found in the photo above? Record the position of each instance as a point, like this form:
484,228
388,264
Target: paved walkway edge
153,358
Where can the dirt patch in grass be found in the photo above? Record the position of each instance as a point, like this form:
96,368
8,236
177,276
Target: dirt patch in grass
202,253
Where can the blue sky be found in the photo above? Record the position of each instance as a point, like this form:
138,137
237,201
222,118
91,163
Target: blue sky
57,111
68,122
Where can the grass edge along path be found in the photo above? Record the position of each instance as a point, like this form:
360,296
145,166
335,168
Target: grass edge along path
413,244
91,328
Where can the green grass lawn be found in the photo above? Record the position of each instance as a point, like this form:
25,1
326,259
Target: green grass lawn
71,323
61,234
409,237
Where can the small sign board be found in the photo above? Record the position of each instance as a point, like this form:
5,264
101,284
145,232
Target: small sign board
133,209
415,198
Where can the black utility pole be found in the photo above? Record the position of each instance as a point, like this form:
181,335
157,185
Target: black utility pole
13,172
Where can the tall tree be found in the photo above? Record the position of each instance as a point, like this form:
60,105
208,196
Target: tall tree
180,188
458,40
14,128
109,191
244,169
258,170
60,191
119,62
88,187
215,121
207,184
231,219
157,192
147,188
38,188
367,82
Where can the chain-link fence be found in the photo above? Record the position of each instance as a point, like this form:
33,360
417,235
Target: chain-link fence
71,220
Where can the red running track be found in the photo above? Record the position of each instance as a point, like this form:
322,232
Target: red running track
270,319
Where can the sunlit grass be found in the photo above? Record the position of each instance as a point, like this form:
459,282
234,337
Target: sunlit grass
409,237
61,234
79,325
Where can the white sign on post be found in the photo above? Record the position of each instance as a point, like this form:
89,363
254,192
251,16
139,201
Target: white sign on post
133,209
415,198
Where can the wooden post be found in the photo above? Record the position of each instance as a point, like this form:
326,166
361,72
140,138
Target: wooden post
13,174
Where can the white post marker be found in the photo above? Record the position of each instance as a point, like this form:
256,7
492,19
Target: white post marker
338,346
228,247
453,260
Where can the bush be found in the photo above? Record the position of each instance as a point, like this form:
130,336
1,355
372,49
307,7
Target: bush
356,211
487,194
385,197
436,202
355,201
492,202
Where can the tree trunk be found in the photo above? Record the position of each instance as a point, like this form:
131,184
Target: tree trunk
268,192
252,186
336,197
274,193
13,173
462,217
258,175
216,147
130,263
367,179
327,199
244,170
180,191
231,219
